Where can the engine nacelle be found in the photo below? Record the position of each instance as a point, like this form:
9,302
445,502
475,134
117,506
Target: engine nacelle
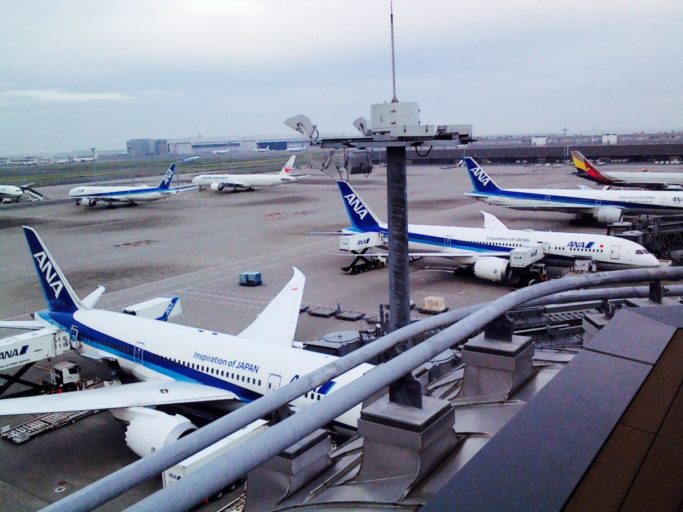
149,430
217,187
492,269
92,202
608,215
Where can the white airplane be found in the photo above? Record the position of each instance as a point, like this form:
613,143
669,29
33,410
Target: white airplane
130,194
190,159
606,206
174,363
487,250
219,182
12,193
644,179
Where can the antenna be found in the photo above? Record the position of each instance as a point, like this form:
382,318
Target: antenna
393,60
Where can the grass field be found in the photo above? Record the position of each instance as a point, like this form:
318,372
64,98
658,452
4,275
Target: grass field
57,174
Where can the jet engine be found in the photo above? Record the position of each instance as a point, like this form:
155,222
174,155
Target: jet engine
608,215
492,269
92,202
217,187
149,430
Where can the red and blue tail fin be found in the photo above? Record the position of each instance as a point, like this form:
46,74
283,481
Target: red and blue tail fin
586,169
482,182
168,177
360,215
56,289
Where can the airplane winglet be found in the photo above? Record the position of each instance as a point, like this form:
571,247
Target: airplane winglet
493,223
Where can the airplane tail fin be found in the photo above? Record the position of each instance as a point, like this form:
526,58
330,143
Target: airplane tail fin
481,181
289,166
56,289
360,215
586,169
168,177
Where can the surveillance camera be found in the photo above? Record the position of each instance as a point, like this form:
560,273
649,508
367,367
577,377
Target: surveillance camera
304,126
362,126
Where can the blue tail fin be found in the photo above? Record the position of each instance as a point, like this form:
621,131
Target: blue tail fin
360,215
168,177
481,181
56,289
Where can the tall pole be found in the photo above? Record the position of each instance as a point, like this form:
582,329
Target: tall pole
94,159
393,60
397,207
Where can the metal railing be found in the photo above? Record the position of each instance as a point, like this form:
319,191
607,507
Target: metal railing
212,477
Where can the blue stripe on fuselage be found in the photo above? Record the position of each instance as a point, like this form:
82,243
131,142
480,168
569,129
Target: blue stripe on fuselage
590,203
126,192
441,242
120,349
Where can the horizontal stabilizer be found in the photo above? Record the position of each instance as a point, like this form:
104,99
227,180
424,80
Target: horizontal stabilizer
139,394
21,324
93,298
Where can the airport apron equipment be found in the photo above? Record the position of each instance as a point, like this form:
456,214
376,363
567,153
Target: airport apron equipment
212,477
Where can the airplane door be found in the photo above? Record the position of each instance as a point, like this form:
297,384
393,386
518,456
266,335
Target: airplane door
73,338
274,382
614,252
139,353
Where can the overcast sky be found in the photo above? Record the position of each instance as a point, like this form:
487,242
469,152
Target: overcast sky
76,74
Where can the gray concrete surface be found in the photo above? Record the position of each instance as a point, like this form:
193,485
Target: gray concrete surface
195,245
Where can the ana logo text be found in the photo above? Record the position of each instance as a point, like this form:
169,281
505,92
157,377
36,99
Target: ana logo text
357,206
481,176
580,246
51,277
6,354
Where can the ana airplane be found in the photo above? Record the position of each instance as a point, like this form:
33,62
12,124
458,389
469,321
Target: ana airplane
644,179
606,206
12,193
219,182
488,250
174,363
131,194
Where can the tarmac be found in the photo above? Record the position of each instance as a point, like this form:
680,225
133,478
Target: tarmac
194,245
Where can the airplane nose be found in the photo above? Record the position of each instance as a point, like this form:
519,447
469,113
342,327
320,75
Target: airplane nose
652,260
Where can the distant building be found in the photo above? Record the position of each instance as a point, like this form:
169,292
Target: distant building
539,141
147,147
609,138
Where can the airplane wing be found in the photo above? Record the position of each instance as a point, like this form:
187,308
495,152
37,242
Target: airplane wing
277,323
185,188
139,394
460,257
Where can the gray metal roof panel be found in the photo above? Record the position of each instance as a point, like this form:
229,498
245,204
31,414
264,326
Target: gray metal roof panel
537,459
634,336
671,315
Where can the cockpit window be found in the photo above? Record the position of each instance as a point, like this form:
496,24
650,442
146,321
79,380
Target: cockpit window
641,251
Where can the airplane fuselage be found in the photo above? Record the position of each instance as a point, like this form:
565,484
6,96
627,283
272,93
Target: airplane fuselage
574,201
644,178
123,194
152,350
9,193
607,251
240,181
